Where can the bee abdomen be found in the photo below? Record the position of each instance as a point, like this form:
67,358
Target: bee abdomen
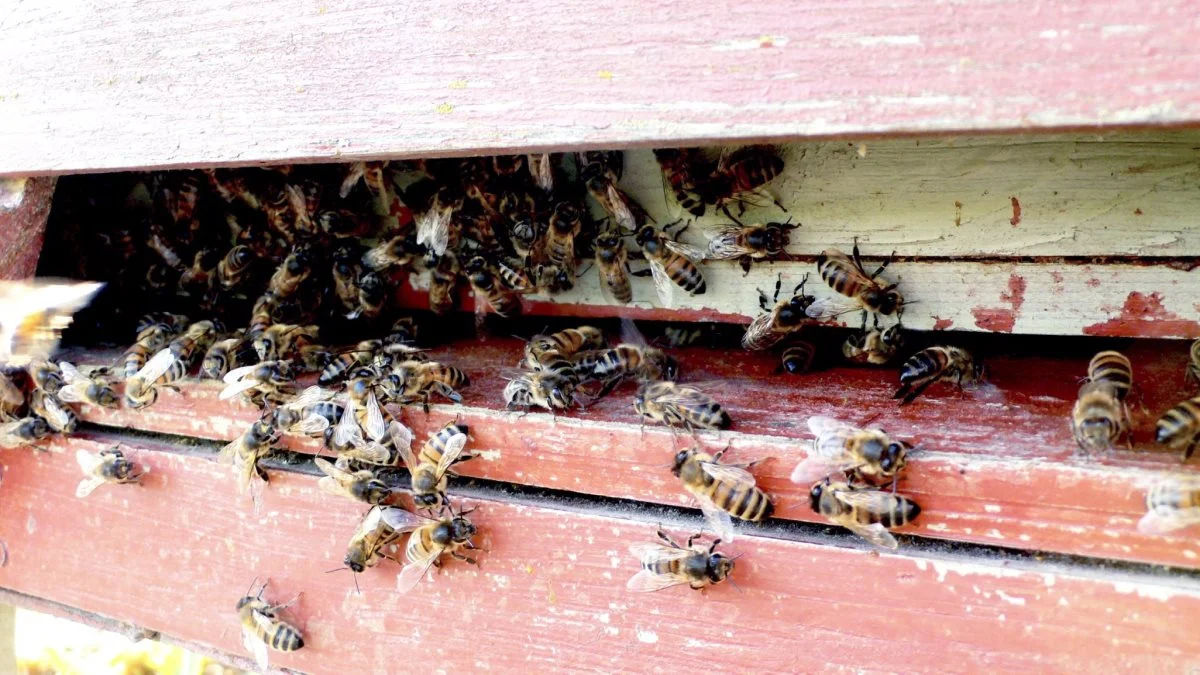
924,363
902,512
1180,423
1113,368
286,639
687,275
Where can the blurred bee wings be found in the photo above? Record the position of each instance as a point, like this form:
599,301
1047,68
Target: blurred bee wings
34,313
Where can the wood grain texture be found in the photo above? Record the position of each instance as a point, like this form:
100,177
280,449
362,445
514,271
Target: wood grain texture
1000,470
1119,300
174,555
125,83
24,208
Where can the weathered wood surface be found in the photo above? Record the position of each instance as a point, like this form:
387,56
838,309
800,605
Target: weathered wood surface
126,84
175,554
1000,469
24,207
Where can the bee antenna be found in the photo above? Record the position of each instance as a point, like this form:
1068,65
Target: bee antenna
252,582
735,584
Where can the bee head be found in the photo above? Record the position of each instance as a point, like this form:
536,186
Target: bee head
245,601
885,301
426,500
894,457
462,529
355,560
681,458
376,491
719,567
298,262
566,214
106,397
814,496
645,235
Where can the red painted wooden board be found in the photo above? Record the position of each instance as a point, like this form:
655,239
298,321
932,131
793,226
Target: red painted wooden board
1002,474
174,555
281,81
24,207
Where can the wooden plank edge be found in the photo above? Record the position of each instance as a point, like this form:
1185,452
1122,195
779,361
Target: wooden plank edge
24,208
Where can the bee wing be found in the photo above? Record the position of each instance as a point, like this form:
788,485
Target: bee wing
405,448
454,448
75,392
646,581
412,573
372,452
1162,521
686,250
87,461
820,424
309,396
724,245
331,470
355,174
728,472
649,552
71,374
622,213
34,313
813,468
256,647
376,427
87,486
543,172
347,431
433,229
717,519
378,258
56,415
229,451
311,425
238,373
331,485
400,520
662,283
238,386
760,334
875,533
830,308
156,366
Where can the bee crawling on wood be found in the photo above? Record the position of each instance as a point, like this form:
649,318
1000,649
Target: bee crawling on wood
866,292
740,173
672,263
264,382
1100,416
430,468
91,389
262,627
1171,504
24,431
543,388
874,347
722,490
1179,427
784,318
750,243
678,405
668,564
865,511
937,363
361,485
447,535
861,454
682,172
106,466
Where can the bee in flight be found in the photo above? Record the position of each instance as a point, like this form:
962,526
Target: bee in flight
861,454
867,512
749,243
430,468
868,294
80,388
668,564
360,485
874,347
678,405
262,627
672,263
429,542
781,320
106,466
1179,427
721,490
33,315
1171,504
937,363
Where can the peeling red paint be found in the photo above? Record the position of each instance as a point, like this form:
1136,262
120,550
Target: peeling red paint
1016,217
1093,283
942,324
1146,315
1001,319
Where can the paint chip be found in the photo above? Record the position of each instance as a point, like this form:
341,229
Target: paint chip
605,75
458,84
444,108
647,636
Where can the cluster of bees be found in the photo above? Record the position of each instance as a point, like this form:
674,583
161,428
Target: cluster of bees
287,255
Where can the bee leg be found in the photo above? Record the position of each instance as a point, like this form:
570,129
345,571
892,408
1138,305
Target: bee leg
713,546
666,538
863,327
459,556
746,265
883,267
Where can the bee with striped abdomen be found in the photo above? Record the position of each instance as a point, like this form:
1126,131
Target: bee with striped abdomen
362,354
430,468
263,382
740,173
262,627
162,370
415,381
612,264
937,363
678,405
601,180
46,375
61,419
227,354
722,490
781,320
235,266
285,341
489,291
671,263
106,466
90,389
797,357
1179,427
1171,504
874,347
544,389
671,565
679,168
1112,369
861,454
565,224
313,412
244,452
1099,417
195,340
749,243
149,340
847,277
381,527
867,512
566,343
24,431
359,485
398,251
429,542
293,271
443,283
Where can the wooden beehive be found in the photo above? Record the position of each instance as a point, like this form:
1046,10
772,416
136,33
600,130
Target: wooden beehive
1026,554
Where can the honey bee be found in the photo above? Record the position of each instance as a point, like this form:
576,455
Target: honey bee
513,277
313,412
678,165
678,405
46,376
1099,417
566,342
370,173
171,323
431,467
487,287
553,279
861,454
361,354
12,399
107,466
293,271
541,169
33,315
381,527
1193,371
161,370
875,347
848,277
626,360
80,388
601,182
937,363
265,381
525,237
396,252
346,271
545,389
263,314
195,340
24,431
722,490
245,451
867,512
434,226
1113,369
671,263
443,284
284,341
797,357
429,542
362,410
672,565
413,381
748,243
48,406
372,295
1179,427
565,224
739,173
612,264
1171,504
360,485
781,320
262,627
225,355
235,266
